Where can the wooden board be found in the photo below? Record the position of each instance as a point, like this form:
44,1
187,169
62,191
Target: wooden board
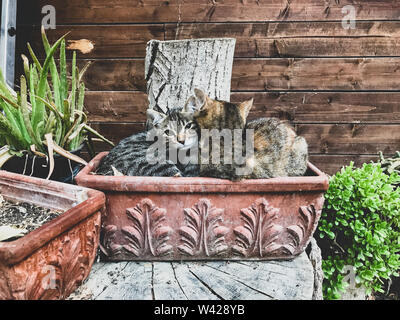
299,39
280,74
128,11
241,280
298,107
110,41
273,39
352,139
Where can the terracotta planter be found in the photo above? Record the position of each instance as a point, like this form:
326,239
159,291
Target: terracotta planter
53,260
151,218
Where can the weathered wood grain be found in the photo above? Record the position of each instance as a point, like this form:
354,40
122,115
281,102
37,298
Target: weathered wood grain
165,283
132,282
268,39
299,39
331,164
128,11
352,139
110,41
256,280
316,74
331,74
175,68
298,107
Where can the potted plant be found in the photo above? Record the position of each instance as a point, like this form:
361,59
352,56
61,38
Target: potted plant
44,126
192,218
51,261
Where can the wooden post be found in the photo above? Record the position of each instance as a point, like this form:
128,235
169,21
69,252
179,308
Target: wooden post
175,68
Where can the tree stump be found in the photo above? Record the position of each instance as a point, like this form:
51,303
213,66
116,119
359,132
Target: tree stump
175,68
298,279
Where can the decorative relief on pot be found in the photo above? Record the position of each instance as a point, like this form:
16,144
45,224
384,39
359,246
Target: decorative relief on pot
259,233
262,233
110,246
148,233
55,270
203,233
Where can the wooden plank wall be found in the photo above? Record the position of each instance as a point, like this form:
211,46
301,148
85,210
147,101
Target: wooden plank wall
339,88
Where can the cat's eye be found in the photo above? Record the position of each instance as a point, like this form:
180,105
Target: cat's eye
190,125
169,132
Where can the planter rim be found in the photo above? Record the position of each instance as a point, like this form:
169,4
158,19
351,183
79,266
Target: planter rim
14,252
319,182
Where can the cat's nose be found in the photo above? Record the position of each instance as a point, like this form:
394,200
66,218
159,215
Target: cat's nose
181,138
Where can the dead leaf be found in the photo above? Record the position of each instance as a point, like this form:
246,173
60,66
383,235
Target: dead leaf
116,172
83,45
50,147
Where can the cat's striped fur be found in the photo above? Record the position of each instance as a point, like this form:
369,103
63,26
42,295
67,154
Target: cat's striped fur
130,157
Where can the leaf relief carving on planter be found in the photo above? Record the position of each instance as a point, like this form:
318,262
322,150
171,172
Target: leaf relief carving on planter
110,246
203,233
297,233
148,233
262,234
259,233
55,270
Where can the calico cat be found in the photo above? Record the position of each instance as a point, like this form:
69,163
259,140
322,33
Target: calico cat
277,150
131,157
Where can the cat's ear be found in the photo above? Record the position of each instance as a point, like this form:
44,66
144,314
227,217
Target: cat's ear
191,105
201,98
245,108
154,116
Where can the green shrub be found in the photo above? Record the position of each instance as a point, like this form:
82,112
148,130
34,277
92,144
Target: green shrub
360,225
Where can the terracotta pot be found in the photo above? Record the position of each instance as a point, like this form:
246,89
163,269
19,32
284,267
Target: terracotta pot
154,218
53,260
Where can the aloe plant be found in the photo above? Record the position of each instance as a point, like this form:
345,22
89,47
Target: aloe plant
47,115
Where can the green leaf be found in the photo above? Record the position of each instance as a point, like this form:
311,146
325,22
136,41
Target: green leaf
39,112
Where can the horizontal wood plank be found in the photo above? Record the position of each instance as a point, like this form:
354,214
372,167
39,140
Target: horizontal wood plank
331,164
298,107
330,74
351,139
297,39
128,11
111,41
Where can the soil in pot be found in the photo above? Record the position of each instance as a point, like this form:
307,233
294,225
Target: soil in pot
20,218
65,170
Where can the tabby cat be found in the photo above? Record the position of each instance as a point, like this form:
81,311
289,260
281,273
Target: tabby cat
277,150
131,158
